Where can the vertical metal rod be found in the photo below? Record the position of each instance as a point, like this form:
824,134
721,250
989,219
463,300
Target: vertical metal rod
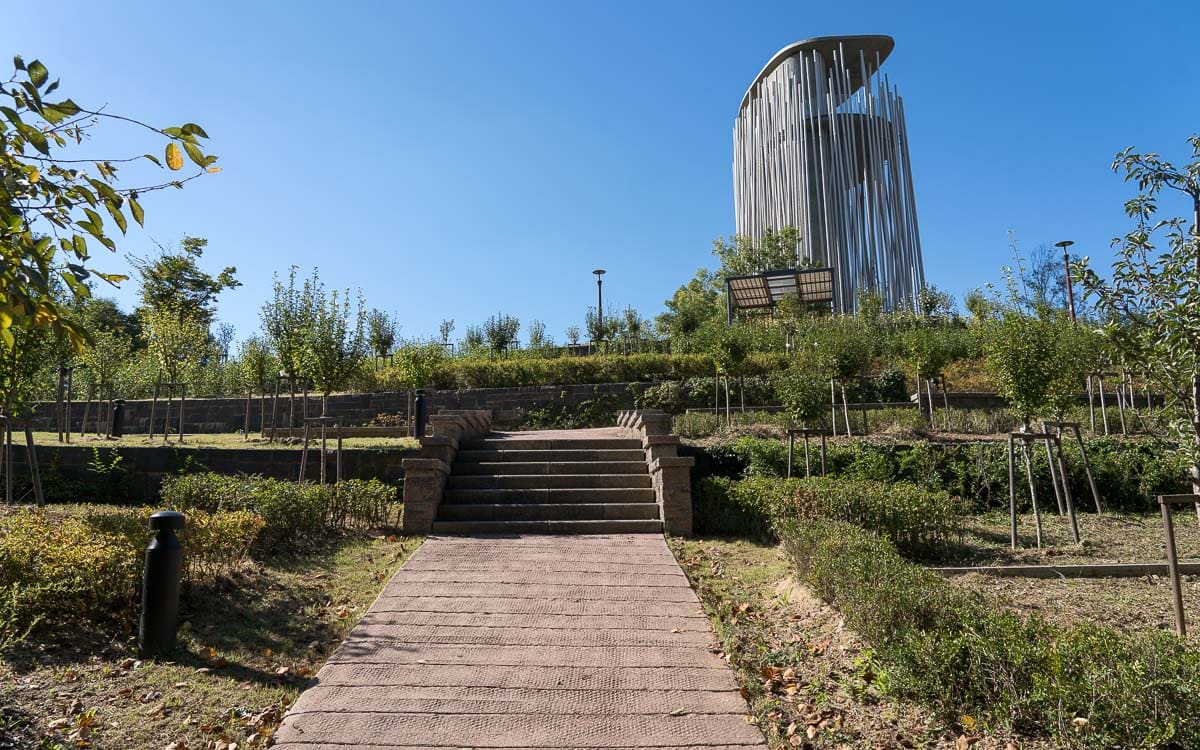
822,454
324,455
1173,568
153,403
1087,467
8,461
1091,403
791,451
70,388
339,451
1012,493
833,406
1121,403
34,471
1037,516
807,465
845,410
304,456
182,400
1053,474
1103,407
1066,488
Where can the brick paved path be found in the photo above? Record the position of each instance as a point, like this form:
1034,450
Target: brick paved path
528,642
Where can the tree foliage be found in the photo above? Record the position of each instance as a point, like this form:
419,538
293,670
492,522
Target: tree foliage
335,341
1151,305
53,193
501,332
741,256
174,278
381,332
285,321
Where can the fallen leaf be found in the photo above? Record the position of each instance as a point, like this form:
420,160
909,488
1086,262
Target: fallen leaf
677,712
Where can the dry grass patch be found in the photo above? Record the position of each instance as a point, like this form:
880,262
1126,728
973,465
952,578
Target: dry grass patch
249,644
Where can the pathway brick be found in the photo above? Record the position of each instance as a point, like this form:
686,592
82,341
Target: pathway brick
528,642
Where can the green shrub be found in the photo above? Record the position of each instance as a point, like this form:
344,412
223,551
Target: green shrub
1087,686
63,568
294,515
914,518
1128,473
213,543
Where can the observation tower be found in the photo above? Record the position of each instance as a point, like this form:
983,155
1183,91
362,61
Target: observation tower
820,144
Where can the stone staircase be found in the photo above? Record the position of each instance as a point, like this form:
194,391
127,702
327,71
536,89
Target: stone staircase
578,482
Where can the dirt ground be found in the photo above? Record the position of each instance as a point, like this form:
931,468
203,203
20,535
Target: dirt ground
1110,538
810,681
248,644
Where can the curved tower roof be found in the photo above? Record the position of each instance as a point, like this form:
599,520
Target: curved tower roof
869,44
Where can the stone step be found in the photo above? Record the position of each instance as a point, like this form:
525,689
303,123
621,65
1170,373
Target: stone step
541,444
546,481
573,468
553,455
571,495
547,527
550,512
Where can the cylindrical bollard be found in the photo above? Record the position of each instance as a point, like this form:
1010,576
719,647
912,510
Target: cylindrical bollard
419,416
160,586
118,418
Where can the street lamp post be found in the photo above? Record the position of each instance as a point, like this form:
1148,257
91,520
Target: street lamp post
599,303
1067,271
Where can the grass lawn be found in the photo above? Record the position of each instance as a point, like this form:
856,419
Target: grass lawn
249,643
220,440
810,681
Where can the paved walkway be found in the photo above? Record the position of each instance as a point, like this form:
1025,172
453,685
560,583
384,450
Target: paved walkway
528,642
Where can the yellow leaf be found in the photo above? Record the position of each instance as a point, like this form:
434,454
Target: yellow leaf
214,170
174,157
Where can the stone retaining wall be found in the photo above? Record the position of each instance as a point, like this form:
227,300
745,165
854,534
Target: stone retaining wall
229,414
145,466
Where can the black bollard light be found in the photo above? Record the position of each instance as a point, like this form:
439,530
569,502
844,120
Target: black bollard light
160,586
419,416
118,418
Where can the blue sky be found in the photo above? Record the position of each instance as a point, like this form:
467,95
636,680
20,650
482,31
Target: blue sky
458,159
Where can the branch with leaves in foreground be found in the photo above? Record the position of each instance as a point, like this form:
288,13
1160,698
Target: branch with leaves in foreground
53,198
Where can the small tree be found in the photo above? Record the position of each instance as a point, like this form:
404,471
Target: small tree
501,332
223,337
1152,303
174,278
176,341
257,367
286,319
473,339
537,335
1022,355
418,362
445,328
573,333
335,343
381,333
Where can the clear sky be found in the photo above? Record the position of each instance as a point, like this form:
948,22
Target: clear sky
455,159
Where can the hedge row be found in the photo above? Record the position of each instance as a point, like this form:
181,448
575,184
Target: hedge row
917,519
1085,686
471,372
1129,473
63,568
294,515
